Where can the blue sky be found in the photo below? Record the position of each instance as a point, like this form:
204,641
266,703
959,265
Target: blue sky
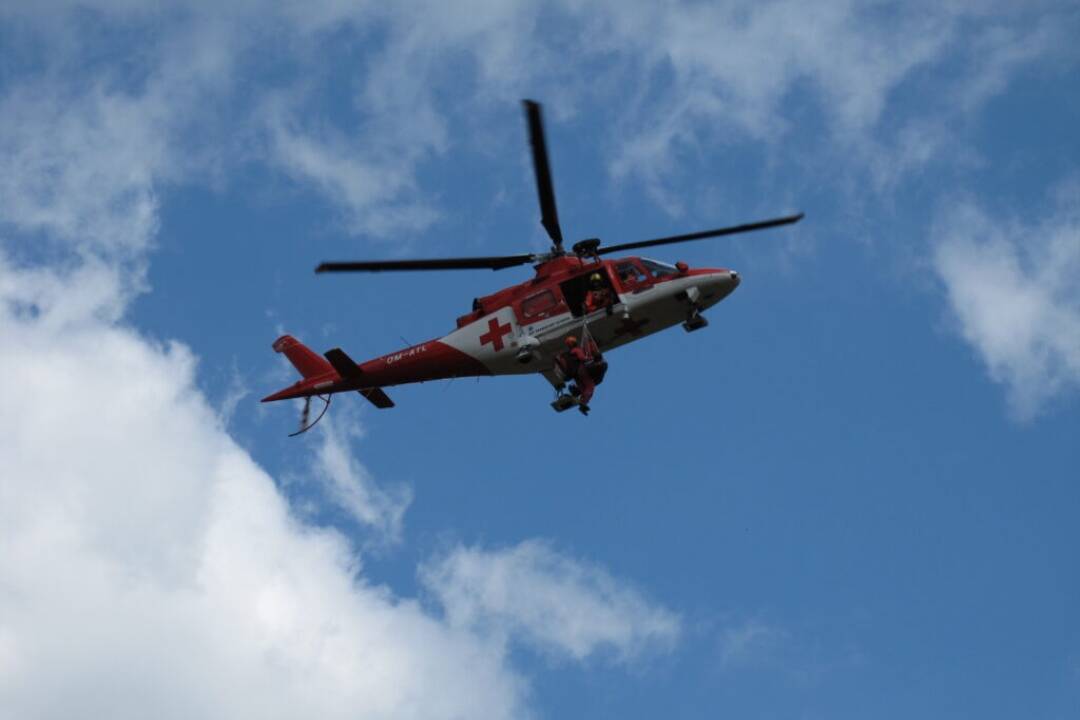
853,495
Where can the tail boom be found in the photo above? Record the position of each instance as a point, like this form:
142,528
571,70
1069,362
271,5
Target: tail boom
311,388
337,372
319,376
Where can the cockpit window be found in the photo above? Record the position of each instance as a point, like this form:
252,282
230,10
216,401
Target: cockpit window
631,274
659,269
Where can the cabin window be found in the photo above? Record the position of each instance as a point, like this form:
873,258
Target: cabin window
539,305
631,275
659,269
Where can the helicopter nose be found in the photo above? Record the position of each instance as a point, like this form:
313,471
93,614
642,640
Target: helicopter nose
717,283
727,281
724,283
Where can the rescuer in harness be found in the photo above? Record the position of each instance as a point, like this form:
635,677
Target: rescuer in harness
585,366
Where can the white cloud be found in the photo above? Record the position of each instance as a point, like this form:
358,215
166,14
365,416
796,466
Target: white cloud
80,165
756,646
565,607
149,567
761,71
750,643
1001,50
376,189
351,487
699,75
1012,288
237,390
87,146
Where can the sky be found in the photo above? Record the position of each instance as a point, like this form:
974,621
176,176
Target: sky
853,495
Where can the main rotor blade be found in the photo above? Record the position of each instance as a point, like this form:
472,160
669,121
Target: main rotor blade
734,229
549,215
497,262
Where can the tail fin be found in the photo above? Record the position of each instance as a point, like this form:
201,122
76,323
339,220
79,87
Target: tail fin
301,356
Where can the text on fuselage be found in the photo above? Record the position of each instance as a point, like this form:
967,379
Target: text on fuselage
405,354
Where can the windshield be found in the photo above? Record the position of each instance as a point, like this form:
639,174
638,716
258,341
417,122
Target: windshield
659,269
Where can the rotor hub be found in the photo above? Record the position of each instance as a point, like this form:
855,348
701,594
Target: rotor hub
587,247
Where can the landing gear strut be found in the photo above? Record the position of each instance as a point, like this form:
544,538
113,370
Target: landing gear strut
695,320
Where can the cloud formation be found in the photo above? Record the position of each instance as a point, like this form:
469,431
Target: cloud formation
359,128
777,74
750,643
559,605
148,566
352,488
80,165
1012,289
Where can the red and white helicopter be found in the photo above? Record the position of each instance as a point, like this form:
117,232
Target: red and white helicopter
522,329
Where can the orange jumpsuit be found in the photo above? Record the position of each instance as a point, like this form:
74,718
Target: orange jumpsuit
596,299
573,365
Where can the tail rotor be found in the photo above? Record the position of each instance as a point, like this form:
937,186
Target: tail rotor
305,414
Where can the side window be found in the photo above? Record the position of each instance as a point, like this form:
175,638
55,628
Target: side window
631,275
661,270
538,305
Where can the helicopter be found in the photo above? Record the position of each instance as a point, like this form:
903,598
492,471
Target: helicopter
523,329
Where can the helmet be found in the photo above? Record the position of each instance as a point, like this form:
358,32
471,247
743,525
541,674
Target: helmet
595,280
571,341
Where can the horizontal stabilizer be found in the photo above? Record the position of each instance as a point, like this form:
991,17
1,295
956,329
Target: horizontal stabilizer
349,370
344,364
377,397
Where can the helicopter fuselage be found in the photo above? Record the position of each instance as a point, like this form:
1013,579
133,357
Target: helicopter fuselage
522,329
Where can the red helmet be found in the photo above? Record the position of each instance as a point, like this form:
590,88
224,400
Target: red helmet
571,341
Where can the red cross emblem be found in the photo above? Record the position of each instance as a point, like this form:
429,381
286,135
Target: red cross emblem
630,327
495,333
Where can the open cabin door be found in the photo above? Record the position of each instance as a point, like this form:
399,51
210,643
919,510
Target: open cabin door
577,288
